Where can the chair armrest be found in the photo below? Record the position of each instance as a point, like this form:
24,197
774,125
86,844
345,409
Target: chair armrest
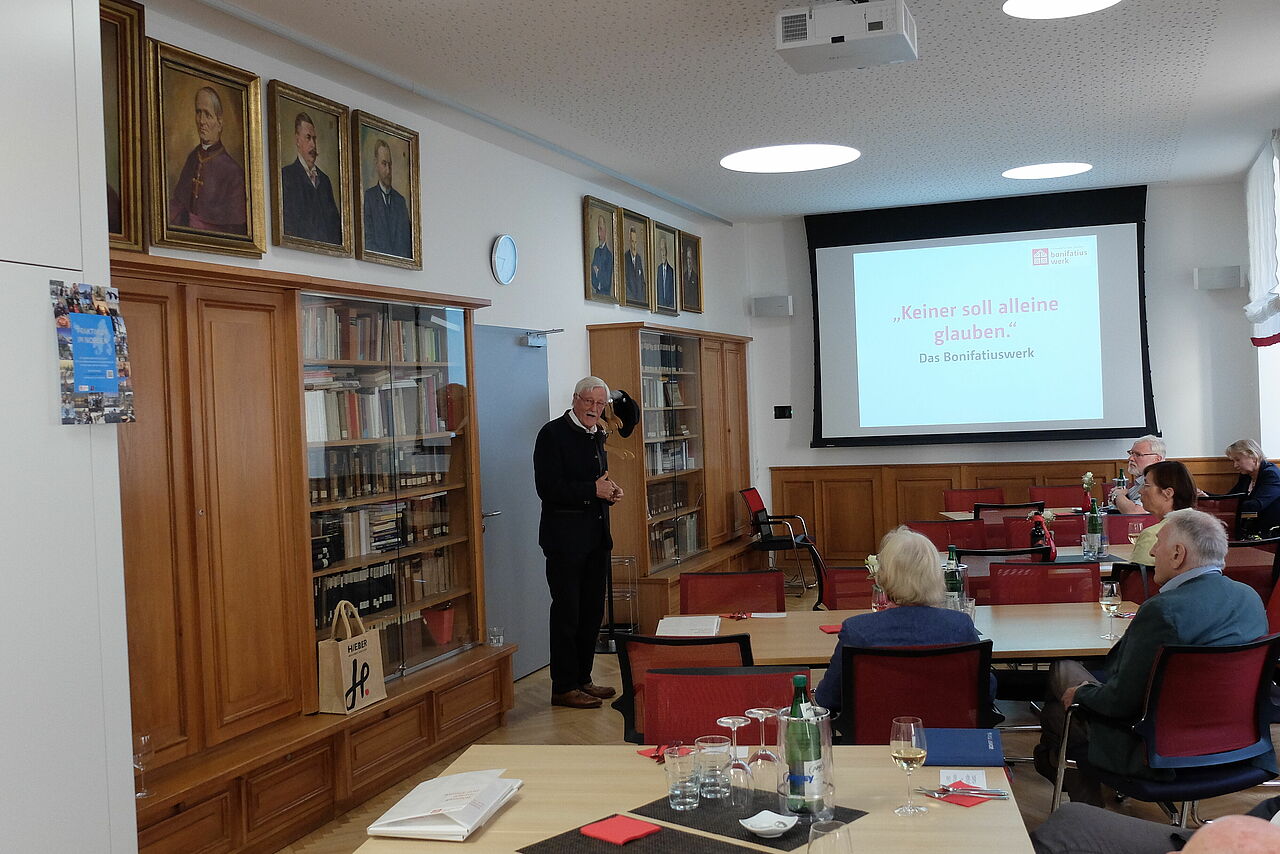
803,527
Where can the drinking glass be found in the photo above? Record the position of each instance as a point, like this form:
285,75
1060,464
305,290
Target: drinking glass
830,837
681,764
1135,531
1109,599
766,766
740,785
713,766
143,752
908,749
879,599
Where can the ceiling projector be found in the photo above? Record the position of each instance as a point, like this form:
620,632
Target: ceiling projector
841,34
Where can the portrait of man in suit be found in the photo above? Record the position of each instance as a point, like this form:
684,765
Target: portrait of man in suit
602,262
307,201
599,250
209,193
633,274
386,213
664,275
690,272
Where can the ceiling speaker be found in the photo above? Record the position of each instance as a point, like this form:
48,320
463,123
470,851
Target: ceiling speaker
1217,278
771,306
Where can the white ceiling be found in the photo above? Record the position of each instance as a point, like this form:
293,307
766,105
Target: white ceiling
1148,91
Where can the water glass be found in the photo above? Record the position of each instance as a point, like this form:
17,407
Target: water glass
714,753
970,607
682,777
143,752
830,837
496,636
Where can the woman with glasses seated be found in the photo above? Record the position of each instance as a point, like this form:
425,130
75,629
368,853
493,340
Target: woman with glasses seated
1166,486
1260,480
910,574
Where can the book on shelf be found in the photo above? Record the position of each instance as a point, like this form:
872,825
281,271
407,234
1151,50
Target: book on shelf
359,471
370,588
448,808
361,333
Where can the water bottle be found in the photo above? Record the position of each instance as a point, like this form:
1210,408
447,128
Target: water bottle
803,747
1092,543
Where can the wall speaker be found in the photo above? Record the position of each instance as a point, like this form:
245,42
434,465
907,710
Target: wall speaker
1217,278
771,306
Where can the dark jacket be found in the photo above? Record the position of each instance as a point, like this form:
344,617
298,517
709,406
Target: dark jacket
1264,500
567,461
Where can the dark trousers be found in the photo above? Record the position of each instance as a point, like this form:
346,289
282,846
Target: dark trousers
577,581
1078,785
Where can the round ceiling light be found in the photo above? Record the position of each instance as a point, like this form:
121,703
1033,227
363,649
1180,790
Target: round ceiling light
803,157
1046,170
1043,10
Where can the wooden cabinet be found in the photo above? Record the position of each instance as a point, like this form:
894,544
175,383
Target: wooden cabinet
728,451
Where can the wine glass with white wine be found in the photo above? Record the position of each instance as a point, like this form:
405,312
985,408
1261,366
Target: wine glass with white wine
1135,531
908,748
1109,599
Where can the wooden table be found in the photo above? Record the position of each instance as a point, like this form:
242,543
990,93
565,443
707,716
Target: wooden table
1018,632
567,786
967,515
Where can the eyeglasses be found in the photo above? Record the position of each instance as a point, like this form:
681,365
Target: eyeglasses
1134,453
590,400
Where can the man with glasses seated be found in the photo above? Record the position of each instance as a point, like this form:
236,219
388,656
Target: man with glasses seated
1142,453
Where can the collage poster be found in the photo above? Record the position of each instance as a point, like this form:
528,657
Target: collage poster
93,354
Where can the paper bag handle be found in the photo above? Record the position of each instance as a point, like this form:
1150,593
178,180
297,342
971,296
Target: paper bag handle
345,613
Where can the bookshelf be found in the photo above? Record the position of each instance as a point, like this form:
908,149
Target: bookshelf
389,472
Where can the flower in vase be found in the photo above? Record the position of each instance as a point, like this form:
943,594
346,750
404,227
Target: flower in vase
1087,481
873,565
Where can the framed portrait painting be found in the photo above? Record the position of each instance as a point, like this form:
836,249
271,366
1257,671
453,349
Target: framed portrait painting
637,279
663,242
385,158
206,172
310,170
599,249
122,32
690,272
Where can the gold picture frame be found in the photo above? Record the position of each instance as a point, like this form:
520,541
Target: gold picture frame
206,172
310,165
388,210
664,243
600,256
122,31
690,267
637,278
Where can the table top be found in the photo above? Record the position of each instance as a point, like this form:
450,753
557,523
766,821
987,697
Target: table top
966,515
567,786
1018,632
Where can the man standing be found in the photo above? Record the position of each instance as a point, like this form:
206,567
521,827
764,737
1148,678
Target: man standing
1196,605
306,193
1142,453
665,281
209,194
633,270
386,214
602,263
571,473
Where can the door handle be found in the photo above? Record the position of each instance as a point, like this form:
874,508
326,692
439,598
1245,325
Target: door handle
487,515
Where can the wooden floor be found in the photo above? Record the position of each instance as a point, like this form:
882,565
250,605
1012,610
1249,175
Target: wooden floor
535,721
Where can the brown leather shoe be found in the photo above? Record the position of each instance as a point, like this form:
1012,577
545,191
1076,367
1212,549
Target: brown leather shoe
604,692
575,699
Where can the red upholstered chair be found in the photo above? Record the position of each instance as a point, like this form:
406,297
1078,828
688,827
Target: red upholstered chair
945,686
964,499
778,534
1042,583
681,704
1067,531
979,563
638,654
1207,744
1226,508
1060,496
1254,562
1273,611
993,516
964,534
727,592
1117,525
843,588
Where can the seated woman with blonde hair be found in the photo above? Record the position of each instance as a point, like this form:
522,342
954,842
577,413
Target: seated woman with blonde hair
1260,481
911,576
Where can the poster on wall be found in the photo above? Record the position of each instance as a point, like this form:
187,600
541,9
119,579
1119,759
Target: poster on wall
93,354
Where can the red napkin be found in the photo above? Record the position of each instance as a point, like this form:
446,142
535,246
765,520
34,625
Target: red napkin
963,800
831,630
655,753
619,829
736,615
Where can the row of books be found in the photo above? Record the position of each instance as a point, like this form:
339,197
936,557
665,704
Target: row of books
382,585
399,407
675,538
340,534
656,391
667,496
661,354
345,332
669,424
335,474
668,457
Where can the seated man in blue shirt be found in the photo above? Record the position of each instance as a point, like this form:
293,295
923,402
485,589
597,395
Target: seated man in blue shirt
1196,604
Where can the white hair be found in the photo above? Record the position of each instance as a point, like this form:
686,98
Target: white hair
588,383
1203,535
1156,443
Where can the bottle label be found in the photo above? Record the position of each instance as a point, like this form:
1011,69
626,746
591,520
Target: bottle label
805,779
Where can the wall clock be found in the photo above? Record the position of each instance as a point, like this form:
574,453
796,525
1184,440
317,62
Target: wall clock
504,259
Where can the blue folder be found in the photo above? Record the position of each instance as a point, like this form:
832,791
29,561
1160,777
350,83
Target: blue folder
963,748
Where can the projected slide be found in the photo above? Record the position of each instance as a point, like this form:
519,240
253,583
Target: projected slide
997,332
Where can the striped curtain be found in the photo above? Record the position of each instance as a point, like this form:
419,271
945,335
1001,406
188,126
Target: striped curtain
1261,194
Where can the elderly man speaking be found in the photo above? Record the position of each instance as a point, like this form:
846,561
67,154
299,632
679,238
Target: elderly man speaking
1196,604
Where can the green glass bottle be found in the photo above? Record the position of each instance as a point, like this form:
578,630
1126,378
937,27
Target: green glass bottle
1093,531
803,749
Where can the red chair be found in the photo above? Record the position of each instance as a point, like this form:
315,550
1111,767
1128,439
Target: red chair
778,534
1255,563
681,704
965,534
1042,583
993,516
945,686
964,499
1067,531
1060,496
1117,525
1273,611
843,588
1226,508
978,562
1207,743
638,654
727,592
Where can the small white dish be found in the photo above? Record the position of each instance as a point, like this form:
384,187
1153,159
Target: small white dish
768,824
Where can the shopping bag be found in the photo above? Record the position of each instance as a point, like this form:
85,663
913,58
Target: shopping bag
350,664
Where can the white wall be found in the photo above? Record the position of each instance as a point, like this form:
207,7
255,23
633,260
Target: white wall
1204,374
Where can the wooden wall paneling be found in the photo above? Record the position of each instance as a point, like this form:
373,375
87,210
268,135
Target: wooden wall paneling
207,827
156,526
915,493
244,427
850,516
287,798
715,442
738,438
